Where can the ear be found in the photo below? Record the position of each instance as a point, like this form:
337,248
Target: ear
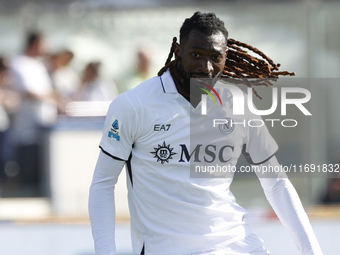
178,51
226,52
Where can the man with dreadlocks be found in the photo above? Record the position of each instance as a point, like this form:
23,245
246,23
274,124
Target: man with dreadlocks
148,128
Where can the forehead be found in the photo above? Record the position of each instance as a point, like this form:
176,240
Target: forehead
200,40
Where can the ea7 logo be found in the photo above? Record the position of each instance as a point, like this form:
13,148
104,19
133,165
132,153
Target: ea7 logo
239,100
159,127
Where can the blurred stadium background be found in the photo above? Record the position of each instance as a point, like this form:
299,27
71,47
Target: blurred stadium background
302,35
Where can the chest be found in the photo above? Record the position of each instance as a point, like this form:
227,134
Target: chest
179,134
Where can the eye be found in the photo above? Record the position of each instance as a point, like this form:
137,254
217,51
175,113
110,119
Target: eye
195,55
216,57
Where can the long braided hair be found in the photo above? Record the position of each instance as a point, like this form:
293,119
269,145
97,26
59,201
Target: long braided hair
244,68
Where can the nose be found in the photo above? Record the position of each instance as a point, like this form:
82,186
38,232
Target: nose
205,66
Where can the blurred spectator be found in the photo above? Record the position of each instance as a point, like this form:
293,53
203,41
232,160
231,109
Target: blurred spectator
93,88
38,108
9,98
4,118
142,70
8,102
65,80
332,195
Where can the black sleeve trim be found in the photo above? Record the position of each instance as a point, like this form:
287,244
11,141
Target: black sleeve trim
105,152
129,169
249,159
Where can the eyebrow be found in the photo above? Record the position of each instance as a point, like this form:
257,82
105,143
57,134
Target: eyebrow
200,48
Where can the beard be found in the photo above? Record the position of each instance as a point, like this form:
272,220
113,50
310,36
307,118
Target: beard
197,79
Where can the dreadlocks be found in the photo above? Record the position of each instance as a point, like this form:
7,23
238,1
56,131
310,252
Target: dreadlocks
244,67
254,69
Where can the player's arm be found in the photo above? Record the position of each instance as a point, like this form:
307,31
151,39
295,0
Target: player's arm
286,203
102,203
119,133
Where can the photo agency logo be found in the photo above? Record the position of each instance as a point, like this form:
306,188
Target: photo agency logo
288,96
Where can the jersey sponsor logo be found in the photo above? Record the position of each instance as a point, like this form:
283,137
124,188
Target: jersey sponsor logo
159,127
211,153
114,131
227,126
200,153
163,153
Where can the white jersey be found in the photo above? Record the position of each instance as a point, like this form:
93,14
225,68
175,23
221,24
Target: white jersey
97,90
29,75
152,128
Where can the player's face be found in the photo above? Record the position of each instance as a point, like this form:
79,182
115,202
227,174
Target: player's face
202,56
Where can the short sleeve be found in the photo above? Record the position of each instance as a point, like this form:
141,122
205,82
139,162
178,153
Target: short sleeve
120,128
260,145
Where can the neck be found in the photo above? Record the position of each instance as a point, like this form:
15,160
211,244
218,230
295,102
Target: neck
179,82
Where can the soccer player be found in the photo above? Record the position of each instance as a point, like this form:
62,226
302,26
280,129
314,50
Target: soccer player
149,129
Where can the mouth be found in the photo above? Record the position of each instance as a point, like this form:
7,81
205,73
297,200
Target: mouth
201,76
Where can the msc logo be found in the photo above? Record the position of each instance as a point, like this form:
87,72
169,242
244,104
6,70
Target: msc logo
163,153
207,153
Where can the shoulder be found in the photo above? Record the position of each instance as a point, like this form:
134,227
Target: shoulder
17,61
145,91
152,85
22,59
139,96
26,64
